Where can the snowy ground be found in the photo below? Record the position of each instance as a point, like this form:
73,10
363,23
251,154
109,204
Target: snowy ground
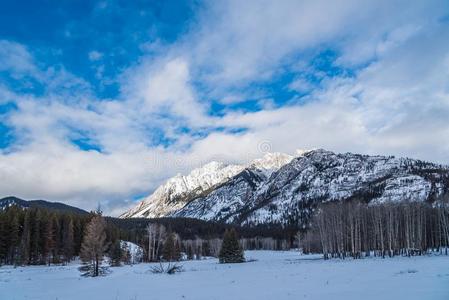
275,275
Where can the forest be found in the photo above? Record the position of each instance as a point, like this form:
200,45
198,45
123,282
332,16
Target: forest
356,229
36,236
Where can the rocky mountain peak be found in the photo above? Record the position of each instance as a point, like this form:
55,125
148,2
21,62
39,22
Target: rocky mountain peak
280,187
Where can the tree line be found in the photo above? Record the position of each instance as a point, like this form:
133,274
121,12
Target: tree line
259,236
36,236
163,246
356,229
196,247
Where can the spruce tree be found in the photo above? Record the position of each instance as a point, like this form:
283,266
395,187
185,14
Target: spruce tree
126,254
67,239
25,240
4,239
78,230
205,249
177,252
189,252
231,251
49,243
116,254
36,239
14,239
56,239
171,250
44,220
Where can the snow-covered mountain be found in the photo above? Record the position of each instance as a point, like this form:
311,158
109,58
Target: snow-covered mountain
179,190
282,188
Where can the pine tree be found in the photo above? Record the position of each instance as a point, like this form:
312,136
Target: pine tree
36,238
189,251
171,250
78,230
68,239
49,241
230,251
25,240
4,239
205,249
94,245
14,237
126,254
177,252
45,220
56,251
116,254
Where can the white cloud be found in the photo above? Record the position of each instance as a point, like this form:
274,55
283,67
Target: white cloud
396,102
241,41
94,55
16,59
397,105
300,85
232,99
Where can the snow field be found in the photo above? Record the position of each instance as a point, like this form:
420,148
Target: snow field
274,275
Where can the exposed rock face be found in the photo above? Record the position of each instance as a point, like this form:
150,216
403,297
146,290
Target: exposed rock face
279,188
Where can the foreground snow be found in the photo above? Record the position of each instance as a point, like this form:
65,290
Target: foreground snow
275,275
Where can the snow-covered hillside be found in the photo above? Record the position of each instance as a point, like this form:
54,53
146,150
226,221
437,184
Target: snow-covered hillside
279,188
275,275
135,251
180,190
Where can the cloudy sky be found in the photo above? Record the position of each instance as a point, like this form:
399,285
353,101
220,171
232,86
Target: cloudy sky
101,102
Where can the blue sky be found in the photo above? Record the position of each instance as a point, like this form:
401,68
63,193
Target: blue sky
71,32
110,98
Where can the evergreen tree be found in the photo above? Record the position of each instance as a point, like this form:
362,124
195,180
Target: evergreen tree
14,237
94,245
177,252
40,241
205,249
36,239
68,239
116,254
49,241
230,251
4,238
126,254
78,231
25,240
56,251
171,250
189,252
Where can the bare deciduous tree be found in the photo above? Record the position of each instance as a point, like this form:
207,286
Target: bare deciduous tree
356,229
94,245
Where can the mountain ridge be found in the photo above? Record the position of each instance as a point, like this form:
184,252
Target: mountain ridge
199,181
291,190
56,206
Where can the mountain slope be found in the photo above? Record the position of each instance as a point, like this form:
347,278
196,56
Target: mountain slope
290,191
180,190
57,206
320,176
